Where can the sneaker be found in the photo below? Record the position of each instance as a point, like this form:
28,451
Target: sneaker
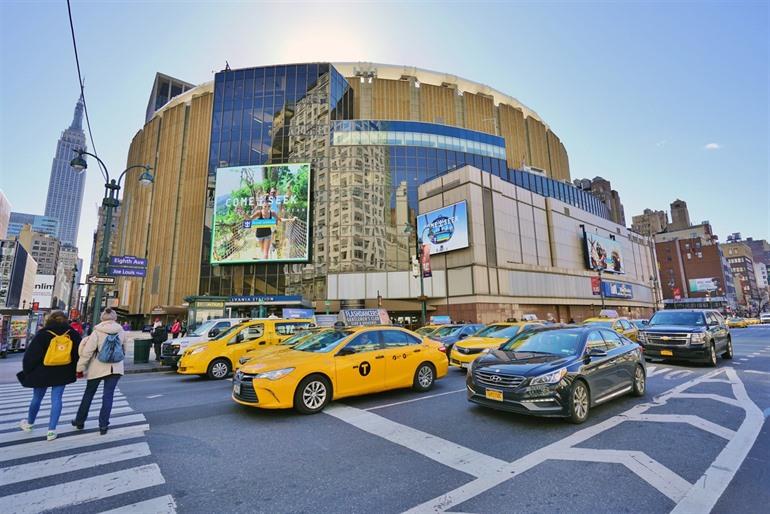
51,435
79,426
102,431
24,425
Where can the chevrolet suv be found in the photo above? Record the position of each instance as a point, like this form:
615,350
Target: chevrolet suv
696,335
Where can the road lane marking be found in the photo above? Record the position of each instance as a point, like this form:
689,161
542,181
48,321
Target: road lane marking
695,421
440,450
155,396
678,373
415,399
14,414
47,403
81,491
710,487
730,458
94,423
756,372
160,505
710,396
646,468
50,467
35,448
42,419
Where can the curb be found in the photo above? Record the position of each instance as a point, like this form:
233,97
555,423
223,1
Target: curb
147,370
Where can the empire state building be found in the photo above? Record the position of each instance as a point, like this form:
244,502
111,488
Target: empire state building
65,187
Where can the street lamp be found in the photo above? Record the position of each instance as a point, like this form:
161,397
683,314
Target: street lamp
109,202
408,229
72,286
601,288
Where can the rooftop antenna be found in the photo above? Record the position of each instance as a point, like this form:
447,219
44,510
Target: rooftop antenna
227,66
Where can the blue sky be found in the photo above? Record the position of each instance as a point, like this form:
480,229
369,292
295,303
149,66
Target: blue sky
635,90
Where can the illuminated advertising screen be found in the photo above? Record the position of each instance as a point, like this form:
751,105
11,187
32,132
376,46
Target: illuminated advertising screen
604,254
261,214
445,229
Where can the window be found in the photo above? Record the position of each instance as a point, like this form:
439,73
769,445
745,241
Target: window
612,339
249,334
595,341
366,342
286,329
396,338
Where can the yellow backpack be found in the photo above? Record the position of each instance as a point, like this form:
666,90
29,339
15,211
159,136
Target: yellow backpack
59,351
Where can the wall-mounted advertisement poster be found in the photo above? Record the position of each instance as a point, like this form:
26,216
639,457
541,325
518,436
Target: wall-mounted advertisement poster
261,214
701,285
604,254
444,229
43,290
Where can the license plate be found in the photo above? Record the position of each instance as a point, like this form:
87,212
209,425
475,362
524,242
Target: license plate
237,388
494,395
668,353
465,365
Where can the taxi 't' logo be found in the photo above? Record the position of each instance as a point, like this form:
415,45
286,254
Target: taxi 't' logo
364,368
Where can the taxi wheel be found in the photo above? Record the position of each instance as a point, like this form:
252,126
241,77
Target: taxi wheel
218,369
424,377
312,394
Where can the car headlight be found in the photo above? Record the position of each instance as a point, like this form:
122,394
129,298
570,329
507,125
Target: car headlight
698,338
275,375
550,378
197,350
641,337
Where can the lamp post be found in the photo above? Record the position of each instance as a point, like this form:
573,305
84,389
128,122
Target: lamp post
408,229
109,202
72,287
601,286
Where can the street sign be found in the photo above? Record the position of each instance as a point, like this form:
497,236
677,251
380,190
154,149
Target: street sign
128,272
96,280
127,261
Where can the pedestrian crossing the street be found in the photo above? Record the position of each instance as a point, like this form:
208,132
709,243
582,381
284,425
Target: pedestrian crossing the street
80,469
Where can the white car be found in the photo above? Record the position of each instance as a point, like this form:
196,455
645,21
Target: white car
171,351
764,317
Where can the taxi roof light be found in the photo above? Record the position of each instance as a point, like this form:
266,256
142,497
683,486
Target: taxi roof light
608,313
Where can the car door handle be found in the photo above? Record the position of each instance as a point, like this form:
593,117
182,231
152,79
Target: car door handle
417,350
380,357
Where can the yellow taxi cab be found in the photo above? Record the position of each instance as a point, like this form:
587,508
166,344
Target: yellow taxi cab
283,346
337,364
610,319
735,322
215,358
752,321
464,352
428,329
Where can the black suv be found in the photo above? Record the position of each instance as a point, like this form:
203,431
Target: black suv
687,334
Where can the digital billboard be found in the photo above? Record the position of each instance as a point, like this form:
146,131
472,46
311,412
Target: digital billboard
700,285
445,229
261,214
43,291
604,254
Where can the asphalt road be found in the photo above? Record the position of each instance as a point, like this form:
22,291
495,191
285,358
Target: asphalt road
698,441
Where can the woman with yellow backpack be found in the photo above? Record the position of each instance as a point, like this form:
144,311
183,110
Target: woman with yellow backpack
49,361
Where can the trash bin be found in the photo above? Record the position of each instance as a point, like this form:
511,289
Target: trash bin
142,351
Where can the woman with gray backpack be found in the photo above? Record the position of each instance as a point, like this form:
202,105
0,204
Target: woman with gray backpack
101,359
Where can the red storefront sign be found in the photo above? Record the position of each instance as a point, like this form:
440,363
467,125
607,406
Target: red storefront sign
596,286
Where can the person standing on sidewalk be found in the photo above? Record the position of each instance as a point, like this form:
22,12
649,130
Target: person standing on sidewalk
159,336
49,361
176,328
101,359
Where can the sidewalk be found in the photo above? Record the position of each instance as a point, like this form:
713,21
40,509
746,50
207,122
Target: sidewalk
149,367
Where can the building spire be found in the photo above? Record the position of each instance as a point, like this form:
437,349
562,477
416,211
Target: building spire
77,118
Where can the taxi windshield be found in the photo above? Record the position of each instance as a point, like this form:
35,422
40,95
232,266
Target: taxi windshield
556,342
507,332
491,329
298,337
603,324
424,331
323,342
229,331
445,331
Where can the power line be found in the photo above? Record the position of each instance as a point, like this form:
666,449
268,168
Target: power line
82,89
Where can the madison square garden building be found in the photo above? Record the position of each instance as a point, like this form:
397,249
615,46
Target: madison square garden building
301,185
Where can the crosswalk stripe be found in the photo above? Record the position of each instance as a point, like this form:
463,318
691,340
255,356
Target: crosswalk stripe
47,405
11,414
42,421
28,395
82,491
35,448
47,401
94,423
160,505
50,467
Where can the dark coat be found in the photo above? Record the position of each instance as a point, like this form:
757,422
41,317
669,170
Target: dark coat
35,374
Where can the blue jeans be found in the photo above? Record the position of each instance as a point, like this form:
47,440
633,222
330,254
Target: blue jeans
37,398
110,383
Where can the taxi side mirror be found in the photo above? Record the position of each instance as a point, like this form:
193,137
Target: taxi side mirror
597,352
345,351
239,337
463,336
213,333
